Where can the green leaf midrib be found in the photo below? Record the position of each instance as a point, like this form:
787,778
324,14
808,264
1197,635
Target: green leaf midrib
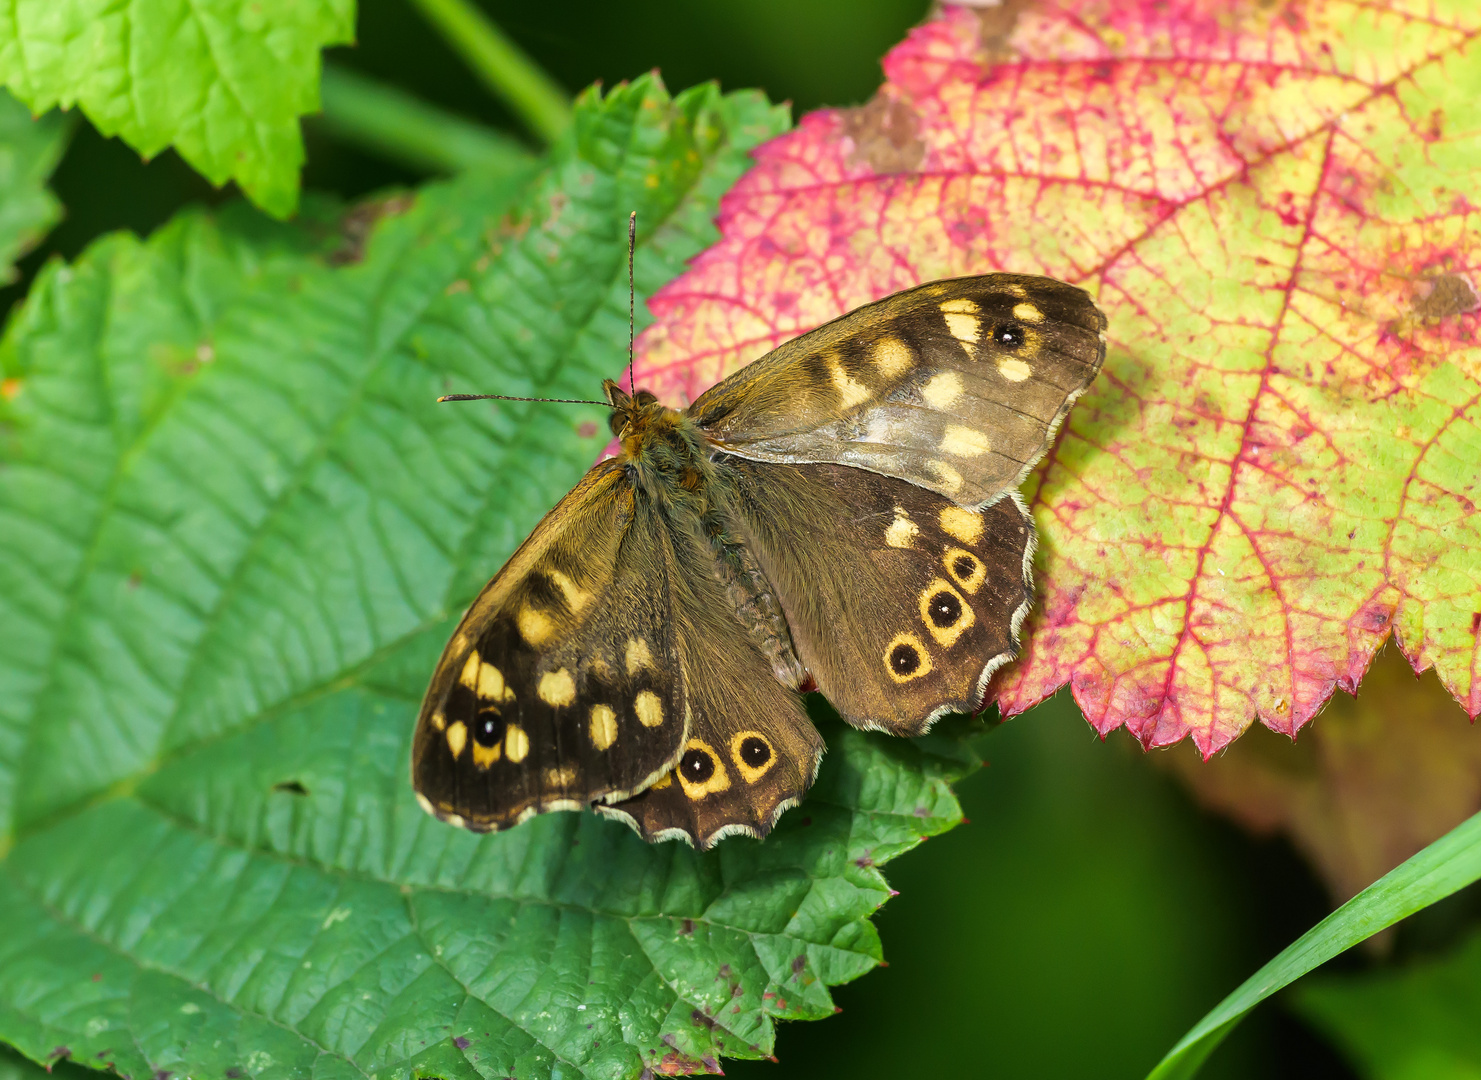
303,472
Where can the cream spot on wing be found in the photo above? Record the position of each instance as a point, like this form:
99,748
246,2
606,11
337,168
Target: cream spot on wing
638,657
965,328
562,777
455,820
962,441
491,685
960,306
946,476
648,708
484,756
516,743
902,530
1018,291
438,720
662,782
557,688
469,677
942,391
457,738
850,392
426,804
576,597
534,626
1014,370
961,524
603,726
892,357
1027,313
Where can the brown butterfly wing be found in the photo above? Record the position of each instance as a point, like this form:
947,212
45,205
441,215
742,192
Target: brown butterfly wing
559,685
956,386
751,751
900,602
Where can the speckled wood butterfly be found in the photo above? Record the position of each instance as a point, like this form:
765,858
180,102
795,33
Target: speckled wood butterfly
840,514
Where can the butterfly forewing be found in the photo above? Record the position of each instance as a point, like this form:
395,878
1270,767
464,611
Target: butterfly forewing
560,684
957,386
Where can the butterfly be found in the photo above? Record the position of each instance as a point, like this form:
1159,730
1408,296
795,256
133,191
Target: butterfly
840,514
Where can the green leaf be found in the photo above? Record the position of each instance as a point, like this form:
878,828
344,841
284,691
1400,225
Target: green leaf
236,529
224,83
1417,1023
29,151
1450,863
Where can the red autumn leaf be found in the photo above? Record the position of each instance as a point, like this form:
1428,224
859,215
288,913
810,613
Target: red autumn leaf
1279,465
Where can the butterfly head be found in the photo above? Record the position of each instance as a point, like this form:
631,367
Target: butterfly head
636,417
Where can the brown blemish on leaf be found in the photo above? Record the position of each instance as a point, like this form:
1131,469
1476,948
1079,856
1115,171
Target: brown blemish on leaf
995,25
360,221
1444,296
885,135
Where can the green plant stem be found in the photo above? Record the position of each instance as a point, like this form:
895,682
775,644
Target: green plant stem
1450,863
404,128
535,97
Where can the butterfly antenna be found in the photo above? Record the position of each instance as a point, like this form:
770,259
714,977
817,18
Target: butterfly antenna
506,397
632,239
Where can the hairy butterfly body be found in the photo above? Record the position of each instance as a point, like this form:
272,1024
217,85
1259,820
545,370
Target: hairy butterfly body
841,513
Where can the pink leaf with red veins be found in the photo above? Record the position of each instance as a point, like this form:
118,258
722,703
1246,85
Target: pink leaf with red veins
1281,461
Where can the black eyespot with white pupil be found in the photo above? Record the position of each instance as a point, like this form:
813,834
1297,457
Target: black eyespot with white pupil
1009,335
696,766
904,659
488,729
754,752
944,608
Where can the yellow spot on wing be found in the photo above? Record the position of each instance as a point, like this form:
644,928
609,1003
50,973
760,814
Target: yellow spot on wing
516,743
439,721
557,688
1014,370
648,708
961,524
892,357
850,393
960,306
965,328
962,441
469,677
946,476
484,756
902,530
534,626
666,780
562,777
457,738
603,726
491,685
576,597
638,656
1027,313
942,391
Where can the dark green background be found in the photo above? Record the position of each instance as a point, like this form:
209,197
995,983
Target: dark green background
1089,913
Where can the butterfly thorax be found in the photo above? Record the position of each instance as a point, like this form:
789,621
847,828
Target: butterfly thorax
670,462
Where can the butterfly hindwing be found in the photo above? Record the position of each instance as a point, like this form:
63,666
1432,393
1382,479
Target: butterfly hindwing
956,386
900,602
751,751
559,686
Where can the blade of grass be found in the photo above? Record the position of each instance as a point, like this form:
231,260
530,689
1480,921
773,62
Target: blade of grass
389,121
1449,864
536,98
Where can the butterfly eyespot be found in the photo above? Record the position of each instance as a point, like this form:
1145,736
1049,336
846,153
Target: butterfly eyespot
488,729
963,565
966,569
944,608
696,766
1009,336
905,659
754,752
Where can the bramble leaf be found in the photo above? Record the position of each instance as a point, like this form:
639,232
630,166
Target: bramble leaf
1281,462
224,83
235,529
29,151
